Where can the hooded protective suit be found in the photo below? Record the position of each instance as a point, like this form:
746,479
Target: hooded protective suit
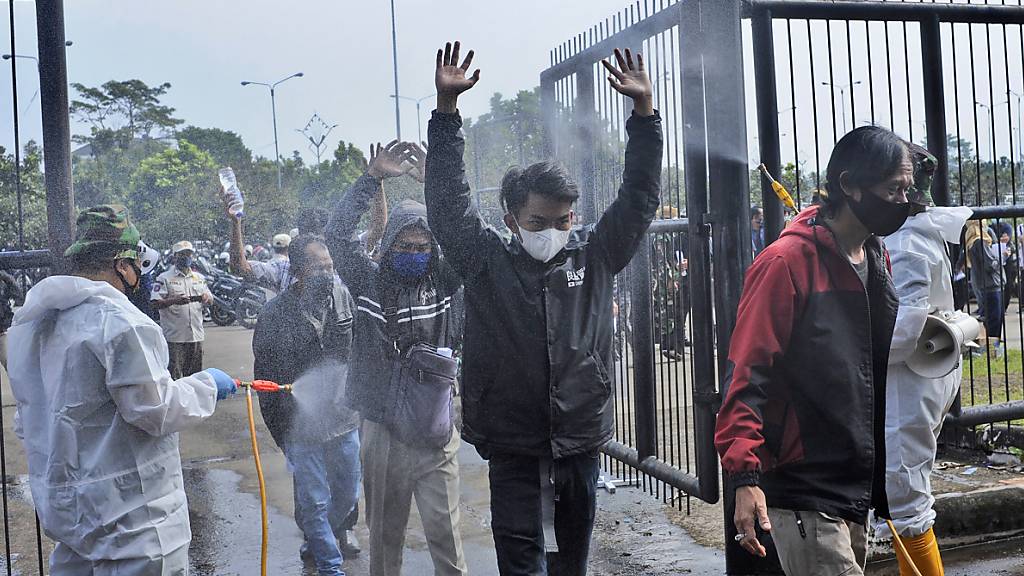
99,414
916,406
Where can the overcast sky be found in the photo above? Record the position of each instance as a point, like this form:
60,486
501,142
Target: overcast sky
204,48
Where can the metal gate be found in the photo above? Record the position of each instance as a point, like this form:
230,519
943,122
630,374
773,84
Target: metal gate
928,69
948,71
669,319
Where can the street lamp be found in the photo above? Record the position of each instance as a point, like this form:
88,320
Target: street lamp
273,111
991,126
1020,142
418,101
842,96
9,56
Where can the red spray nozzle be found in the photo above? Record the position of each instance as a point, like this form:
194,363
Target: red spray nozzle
264,386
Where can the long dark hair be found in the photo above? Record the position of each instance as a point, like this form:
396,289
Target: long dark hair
867,155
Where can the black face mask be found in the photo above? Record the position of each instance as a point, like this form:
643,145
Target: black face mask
880,217
130,290
317,291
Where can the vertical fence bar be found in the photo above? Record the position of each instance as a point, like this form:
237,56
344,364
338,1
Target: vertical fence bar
643,361
53,100
763,40
935,106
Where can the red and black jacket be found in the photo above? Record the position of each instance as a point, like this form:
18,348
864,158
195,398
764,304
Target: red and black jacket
804,415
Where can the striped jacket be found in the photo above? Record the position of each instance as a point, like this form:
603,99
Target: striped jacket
389,310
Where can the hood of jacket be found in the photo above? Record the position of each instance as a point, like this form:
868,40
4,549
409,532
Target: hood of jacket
408,213
55,293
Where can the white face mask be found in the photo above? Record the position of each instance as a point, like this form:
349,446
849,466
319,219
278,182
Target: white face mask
543,245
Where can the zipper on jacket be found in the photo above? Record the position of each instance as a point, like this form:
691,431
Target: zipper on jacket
800,525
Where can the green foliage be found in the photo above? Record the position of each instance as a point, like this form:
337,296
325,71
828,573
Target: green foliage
122,111
225,147
33,197
172,196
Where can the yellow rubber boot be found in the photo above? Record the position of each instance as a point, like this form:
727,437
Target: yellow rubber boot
924,551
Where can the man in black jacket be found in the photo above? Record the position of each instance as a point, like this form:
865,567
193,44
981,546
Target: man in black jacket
536,390
304,337
404,300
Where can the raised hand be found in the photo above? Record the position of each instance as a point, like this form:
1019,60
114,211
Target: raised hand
389,161
630,79
450,77
419,160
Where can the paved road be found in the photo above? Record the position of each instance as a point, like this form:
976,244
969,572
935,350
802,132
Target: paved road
634,535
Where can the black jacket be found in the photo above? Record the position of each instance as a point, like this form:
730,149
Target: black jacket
538,342
419,311
804,415
292,347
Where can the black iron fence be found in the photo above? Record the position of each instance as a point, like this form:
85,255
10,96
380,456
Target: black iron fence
949,75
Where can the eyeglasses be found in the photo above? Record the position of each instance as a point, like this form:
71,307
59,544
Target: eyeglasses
413,248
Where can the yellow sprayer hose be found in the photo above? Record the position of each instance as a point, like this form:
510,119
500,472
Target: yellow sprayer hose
259,475
900,549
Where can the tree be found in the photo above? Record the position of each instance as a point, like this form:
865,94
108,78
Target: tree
120,112
33,197
225,147
172,196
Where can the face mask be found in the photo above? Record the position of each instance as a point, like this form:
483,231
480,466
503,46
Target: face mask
317,290
410,265
130,289
185,262
880,217
543,245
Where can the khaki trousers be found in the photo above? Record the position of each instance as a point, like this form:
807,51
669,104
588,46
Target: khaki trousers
393,474
815,544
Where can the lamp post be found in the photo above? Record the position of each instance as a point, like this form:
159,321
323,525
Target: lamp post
419,121
26,57
273,111
842,96
991,126
394,56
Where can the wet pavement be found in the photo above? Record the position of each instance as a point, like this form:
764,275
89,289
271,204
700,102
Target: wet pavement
635,535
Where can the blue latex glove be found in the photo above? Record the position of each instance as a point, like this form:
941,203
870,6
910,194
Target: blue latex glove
225,384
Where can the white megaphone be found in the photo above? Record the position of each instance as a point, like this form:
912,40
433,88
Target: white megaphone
942,342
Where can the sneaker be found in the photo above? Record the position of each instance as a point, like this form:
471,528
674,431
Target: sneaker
348,544
672,355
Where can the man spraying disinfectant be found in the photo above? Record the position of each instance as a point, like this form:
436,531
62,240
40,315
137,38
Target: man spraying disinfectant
99,413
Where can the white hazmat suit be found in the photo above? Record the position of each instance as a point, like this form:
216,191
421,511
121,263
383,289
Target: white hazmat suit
99,414
915,405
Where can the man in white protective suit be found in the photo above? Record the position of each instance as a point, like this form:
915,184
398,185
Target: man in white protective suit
98,412
915,405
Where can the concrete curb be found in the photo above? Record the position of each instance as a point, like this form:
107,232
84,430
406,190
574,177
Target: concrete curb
974,517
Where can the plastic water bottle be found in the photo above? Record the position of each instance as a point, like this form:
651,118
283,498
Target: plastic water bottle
232,195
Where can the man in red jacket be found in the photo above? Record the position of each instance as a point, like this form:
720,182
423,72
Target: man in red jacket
801,429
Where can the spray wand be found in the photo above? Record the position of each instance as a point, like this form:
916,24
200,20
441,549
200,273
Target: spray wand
260,386
779,189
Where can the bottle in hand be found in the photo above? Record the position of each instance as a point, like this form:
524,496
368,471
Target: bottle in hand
231,192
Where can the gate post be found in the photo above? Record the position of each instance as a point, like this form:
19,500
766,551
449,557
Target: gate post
53,100
935,107
695,175
729,187
585,113
767,120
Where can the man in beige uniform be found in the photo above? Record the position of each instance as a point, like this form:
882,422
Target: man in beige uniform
179,295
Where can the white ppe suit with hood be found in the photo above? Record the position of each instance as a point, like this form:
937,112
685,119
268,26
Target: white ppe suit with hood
98,413
915,405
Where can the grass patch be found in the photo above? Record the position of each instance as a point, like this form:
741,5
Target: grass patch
993,380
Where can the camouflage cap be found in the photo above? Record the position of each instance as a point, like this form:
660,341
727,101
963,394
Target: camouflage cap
106,226
924,170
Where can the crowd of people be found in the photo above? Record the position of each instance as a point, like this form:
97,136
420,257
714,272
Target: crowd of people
431,328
